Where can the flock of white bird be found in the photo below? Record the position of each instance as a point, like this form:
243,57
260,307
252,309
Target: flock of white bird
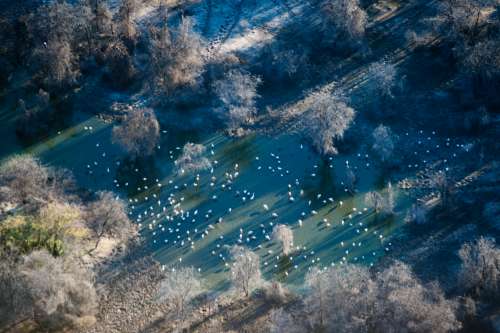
171,219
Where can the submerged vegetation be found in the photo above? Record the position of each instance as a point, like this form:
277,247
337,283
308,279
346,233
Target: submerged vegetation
249,166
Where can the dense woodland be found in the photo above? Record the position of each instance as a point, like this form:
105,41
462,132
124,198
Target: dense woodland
64,248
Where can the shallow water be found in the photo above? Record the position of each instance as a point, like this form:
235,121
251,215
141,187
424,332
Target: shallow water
266,167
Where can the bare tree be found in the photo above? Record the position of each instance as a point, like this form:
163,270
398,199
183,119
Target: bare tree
245,270
192,159
383,142
237,92
176,58
107,217
179,287
284,235
61,290
327,119
139,132
480,272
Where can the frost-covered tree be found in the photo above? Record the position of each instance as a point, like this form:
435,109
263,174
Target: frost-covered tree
126,26
284,235
462,20
56,64
53,27
107,217
348,298
381,203
176,58
347,17
61,291
339,299
281,321
245,270
237,92
383,142
22,178
417,213
480,272
404,304
328,118
25,181
178,288
15,306
138,133
120,68
192,159
382,76
439,181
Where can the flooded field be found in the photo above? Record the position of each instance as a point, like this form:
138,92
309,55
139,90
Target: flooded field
255,183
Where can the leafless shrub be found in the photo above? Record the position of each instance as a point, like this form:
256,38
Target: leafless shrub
327,119
192,159
480,272
284,235
237,92
245,270
139,132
